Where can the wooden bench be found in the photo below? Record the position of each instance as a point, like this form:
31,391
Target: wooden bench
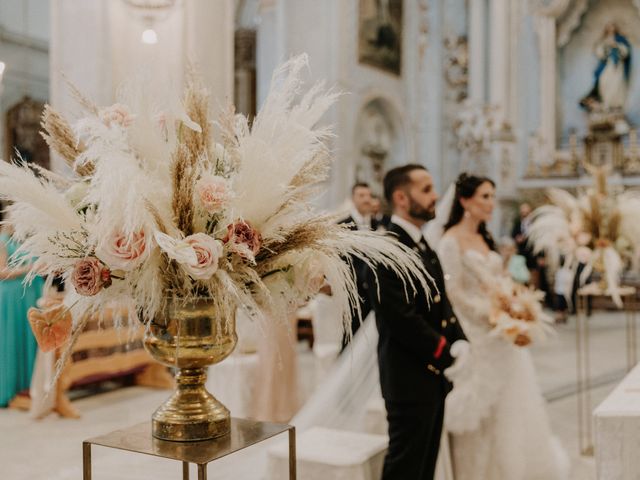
102,354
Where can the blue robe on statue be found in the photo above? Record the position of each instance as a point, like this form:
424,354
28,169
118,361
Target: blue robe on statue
616,56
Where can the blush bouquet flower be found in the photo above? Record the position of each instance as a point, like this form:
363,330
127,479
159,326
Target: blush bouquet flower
161,201
516,312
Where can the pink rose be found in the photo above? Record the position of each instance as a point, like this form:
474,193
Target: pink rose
89,276
122,252
208,252
243,239
117,114
213,192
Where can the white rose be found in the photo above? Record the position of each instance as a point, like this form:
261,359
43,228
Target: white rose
177,250
208,251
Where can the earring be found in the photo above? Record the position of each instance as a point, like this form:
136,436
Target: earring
466,214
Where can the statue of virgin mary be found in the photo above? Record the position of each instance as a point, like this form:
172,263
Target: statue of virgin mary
611,76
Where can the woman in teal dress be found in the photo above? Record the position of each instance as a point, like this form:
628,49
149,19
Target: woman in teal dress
17,343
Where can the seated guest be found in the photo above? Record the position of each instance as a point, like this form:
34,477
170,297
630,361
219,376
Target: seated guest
17,343
379,219
514,263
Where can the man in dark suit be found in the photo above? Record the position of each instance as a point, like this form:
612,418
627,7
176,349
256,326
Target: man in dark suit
378,218
419,339
359,219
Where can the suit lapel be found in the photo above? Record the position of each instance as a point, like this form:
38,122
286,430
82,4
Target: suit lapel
429,258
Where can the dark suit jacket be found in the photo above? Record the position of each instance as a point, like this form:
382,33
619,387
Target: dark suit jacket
359,266
525,249
412,353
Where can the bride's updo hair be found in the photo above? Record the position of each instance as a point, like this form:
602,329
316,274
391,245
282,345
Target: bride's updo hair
466,187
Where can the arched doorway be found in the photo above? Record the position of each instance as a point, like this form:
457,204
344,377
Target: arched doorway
380,142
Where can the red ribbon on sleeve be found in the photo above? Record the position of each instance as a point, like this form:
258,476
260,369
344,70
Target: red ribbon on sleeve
441,345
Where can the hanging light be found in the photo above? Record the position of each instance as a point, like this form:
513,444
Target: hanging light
151,12
149,36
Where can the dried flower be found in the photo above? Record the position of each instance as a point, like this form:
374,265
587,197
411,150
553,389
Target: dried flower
89,276
243,239
51,327
120,252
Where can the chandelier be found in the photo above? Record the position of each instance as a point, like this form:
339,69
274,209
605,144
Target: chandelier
150,12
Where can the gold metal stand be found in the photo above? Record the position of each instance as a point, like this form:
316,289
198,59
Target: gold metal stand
592,293
138,439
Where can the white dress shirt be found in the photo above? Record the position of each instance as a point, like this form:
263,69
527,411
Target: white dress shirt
363,222
414,232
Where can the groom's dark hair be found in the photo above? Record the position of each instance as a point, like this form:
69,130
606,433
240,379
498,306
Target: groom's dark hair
397,178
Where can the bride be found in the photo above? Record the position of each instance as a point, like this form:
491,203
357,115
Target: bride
496,412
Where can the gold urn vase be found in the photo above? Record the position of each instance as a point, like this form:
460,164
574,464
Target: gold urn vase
190,336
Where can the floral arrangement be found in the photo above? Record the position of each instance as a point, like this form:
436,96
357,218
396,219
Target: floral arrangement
598,227
516,312
155,207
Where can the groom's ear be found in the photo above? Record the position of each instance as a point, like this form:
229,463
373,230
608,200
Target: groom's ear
399,198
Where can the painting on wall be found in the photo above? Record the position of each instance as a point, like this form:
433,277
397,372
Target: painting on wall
380,34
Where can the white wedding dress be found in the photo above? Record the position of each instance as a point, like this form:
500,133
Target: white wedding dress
495,413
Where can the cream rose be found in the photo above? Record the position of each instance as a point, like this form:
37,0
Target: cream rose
213,192
117,114
208,252
122,252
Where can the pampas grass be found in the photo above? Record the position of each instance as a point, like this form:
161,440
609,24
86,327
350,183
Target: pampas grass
141,159
597,224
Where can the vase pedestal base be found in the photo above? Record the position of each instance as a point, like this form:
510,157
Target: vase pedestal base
191,414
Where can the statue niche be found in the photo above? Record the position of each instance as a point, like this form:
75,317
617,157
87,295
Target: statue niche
611,76
375,137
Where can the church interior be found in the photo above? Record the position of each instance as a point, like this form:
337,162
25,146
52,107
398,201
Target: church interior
542,97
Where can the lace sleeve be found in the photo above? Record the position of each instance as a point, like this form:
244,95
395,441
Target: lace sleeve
466,294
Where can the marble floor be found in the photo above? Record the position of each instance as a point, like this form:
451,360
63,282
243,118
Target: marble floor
50,449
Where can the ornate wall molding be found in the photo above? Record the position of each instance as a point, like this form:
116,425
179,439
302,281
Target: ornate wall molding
549,8
572,21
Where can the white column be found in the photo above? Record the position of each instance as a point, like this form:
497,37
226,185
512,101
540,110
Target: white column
499,48
209,34
546,27
515,24
98,46
79,49
477,50
432,83
270,45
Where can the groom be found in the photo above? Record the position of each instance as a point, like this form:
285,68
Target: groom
419,338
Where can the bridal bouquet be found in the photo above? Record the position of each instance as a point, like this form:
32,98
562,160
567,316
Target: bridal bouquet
599,228
516,312
154,207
